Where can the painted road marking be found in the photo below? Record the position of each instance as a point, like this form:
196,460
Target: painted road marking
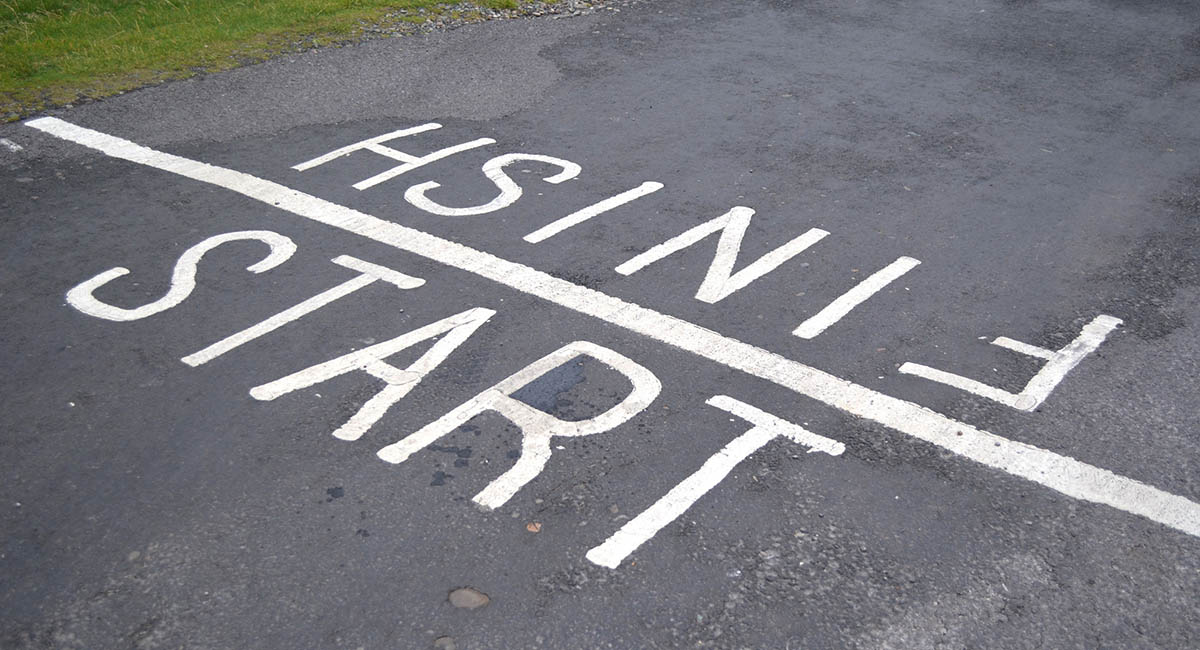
720,281
10,145
183,278
494,170
537,426
579,216
1060,362
368,274
409,161
453,331
1055,471
371,144
1025,348
766,428
836,310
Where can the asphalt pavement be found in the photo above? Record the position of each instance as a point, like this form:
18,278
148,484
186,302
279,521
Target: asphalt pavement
693,324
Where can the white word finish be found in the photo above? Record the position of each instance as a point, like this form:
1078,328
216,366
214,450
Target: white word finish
719,282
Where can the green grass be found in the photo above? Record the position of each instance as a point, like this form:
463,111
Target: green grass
56,51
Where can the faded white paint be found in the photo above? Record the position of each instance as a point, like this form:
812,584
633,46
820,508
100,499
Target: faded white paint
494,170
721,281
1024,348
183,278
1055,471
368,274
600,207
390,276
1059,363
408,162
370,144
10,145
537,426
836,310
767,427
453,330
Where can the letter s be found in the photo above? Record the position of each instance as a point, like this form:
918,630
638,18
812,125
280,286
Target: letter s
183,279
494,170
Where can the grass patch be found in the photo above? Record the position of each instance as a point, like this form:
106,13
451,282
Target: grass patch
54,52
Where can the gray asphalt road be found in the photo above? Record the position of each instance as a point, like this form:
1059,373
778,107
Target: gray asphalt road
710,478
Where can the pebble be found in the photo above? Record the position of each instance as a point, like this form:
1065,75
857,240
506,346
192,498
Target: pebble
468,598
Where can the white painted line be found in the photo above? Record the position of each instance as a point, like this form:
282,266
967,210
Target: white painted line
1024,348
720,281
1043,383
278,320
1055,471
579,216
369,143
494,170
10,145
836,310
390,276
412,162
183,277
767,427
962,383
369,273
453,330
1090,338
537,426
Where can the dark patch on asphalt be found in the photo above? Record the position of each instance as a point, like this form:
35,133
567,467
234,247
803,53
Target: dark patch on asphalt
462,454
545,392
1151,274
